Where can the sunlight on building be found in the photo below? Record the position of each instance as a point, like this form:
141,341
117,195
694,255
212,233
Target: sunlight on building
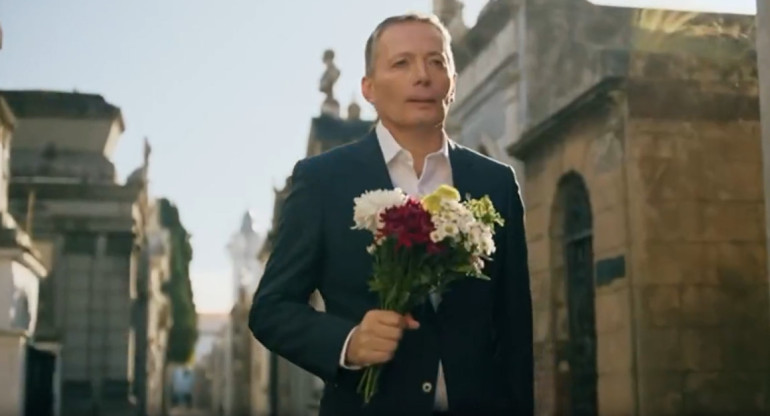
710,6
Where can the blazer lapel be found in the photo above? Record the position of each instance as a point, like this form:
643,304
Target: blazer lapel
462,170
372,170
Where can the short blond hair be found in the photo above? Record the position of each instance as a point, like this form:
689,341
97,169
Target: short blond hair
371,44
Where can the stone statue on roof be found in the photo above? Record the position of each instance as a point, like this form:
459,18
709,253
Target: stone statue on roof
330,76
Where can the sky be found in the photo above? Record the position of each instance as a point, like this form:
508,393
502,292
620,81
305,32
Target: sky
224,91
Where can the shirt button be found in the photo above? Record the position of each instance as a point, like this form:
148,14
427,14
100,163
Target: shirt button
427,387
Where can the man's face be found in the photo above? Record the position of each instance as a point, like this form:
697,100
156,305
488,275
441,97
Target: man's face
412,84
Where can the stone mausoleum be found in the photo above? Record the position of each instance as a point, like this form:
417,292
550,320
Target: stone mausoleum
645,213
635,135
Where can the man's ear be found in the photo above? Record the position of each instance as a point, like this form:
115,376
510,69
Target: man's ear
453,88
367,89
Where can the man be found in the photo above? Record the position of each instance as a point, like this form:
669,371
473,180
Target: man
469,353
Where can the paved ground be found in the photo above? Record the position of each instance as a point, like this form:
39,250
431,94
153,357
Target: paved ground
180,411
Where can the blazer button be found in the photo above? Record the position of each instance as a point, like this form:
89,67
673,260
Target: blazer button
427,387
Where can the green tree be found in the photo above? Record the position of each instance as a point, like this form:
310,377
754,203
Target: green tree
184,330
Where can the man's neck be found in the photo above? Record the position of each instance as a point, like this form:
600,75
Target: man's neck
420,142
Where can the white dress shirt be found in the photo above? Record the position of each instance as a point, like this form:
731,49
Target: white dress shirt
436,171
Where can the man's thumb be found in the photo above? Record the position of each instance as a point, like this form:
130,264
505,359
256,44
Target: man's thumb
411,323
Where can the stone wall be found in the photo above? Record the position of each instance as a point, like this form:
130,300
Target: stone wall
12,355
763,58
697,214
701,293
486,113
577,147
5,152
570,46
260,379
671,159
655,113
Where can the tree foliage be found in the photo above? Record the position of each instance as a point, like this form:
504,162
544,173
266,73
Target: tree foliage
184,330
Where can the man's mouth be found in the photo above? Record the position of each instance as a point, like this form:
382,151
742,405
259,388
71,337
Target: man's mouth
422,100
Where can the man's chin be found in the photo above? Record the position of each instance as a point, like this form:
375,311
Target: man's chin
425,123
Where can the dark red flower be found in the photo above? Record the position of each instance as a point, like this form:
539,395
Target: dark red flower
409,224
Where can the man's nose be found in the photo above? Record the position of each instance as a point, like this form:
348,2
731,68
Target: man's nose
420,73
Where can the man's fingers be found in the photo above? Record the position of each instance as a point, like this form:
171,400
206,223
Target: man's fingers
380,335
388,332
376,341
382,345
393,319
376,351
378,357
389,318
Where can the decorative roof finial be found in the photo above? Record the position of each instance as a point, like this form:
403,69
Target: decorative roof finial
447,10
354,110
450,12
330,105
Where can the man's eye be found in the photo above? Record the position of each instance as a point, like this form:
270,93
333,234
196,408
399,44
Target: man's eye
438,62
401,62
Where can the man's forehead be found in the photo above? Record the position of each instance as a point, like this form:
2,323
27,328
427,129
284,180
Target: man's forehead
400,37
405,29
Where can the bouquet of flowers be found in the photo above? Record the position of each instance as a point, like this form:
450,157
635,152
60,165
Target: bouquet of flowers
420,247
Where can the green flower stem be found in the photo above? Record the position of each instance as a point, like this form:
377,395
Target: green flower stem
368,384
400,272
367,387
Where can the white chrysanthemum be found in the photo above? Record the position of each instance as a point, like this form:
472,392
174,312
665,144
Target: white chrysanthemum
458,214
479,240
488,242
450,228
369,206
454,221
475,234
478,264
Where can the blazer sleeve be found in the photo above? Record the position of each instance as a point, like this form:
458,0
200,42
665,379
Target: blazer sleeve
281,317
514,304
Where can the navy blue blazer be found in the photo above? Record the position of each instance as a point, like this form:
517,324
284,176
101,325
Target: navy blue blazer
481,332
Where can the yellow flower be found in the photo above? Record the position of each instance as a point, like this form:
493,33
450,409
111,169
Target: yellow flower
448,192
432,202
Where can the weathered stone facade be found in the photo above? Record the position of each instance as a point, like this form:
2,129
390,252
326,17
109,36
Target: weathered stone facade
27,366
238,355
569,46
243,248
86,225
644,218
486,113
763,60
157,312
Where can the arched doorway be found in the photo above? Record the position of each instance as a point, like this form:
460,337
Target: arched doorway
577,356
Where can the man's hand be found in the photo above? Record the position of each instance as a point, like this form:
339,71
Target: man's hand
376,338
